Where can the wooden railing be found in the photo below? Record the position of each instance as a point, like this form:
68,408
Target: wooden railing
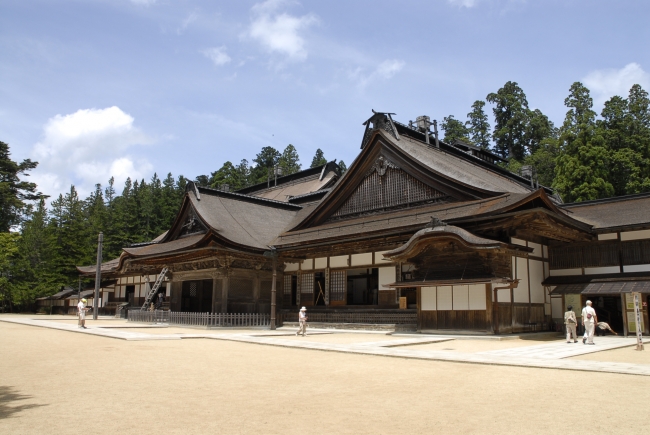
200,319
368,318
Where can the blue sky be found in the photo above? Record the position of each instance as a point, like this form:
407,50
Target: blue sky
94,88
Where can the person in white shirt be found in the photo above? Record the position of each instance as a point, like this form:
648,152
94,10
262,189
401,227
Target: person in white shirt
302,319
589,321
81,311
571,323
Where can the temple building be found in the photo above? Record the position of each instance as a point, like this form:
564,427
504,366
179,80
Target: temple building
417,232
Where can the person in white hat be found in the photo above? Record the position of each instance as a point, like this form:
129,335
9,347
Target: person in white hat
302,319
589,321
81,311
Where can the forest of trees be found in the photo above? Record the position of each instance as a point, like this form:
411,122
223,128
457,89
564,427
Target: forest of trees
587,157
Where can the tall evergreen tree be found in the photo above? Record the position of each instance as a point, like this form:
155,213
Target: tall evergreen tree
511,120
265,160
13,191
478,125
454,129
289,160
582,167
319,159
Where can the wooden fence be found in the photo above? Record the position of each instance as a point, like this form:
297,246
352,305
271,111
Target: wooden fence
367,318
200,319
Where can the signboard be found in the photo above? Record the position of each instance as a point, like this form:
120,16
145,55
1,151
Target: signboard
402,303
629,302
638,320
571,299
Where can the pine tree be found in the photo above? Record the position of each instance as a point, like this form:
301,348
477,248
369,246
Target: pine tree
454,129
13,191
582,167
319,159
289,160
511,118
478,125
265,161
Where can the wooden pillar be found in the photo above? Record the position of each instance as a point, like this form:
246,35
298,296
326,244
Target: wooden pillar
256,291
489,307
327,286
274,290
215,289
225,284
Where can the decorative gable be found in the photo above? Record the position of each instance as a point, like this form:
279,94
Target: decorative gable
192,225
386,187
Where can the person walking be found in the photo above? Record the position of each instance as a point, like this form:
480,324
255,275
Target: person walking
570,322
81,312
589,321
302,320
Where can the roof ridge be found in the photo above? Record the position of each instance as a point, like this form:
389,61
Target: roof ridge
251,198
606,200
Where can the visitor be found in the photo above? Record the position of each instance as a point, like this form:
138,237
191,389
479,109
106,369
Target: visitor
571,322
302,320
81,312
589,321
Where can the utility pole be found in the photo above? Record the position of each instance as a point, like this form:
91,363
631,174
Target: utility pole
98,275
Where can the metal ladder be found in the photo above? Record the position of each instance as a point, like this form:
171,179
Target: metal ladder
151,293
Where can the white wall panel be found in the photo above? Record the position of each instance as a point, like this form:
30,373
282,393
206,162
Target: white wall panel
537,249
428,299
635,235
444,298
503,295
608,236
521,291
291,267
386,276
600,270
516,241
379,257
536,278
477,299
320,263
565,272
307,264
637,268
340,261
361,259
461,297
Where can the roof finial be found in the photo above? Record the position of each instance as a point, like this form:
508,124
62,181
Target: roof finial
435,222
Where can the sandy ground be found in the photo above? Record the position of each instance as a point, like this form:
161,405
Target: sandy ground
344,338
56,382
625,354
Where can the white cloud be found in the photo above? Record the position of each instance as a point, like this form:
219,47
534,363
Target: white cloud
606,83
186,22
217,55
280,32
463,3
384,71
88,147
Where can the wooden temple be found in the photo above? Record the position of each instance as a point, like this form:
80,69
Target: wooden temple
438,233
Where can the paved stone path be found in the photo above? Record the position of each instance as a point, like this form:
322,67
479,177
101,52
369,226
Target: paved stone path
553,355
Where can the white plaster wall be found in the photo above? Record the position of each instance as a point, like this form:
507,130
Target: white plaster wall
536,278
521,291
565,272
291,267
600,270
516,241
386,276
339,261
477,298
361,259
635,235
637,268
537,249
608,236
461,297
307,264
379,258
320,263
428,299
444,298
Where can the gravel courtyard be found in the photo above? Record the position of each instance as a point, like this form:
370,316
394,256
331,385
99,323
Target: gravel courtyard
59,382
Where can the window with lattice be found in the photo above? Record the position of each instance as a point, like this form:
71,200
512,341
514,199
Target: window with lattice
307,283
337,285
287,284
394,189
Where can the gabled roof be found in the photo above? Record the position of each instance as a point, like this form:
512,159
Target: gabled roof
456,178
630,211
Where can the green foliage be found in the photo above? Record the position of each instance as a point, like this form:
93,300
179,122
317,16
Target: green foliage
511,116
13,191
289,160
454,129
343,167
319,159
265,160
236,177
478,125
8,250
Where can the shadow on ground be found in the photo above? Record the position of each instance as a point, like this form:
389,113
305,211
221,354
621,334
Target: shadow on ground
8,402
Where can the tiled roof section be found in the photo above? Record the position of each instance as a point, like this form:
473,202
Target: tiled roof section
461,170
163,248
107,267
252,224
624,211
284,192
403,219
